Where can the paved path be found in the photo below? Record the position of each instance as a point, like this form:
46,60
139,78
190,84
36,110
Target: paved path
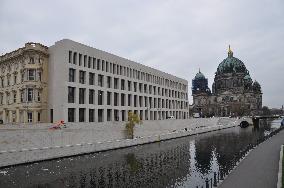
260,168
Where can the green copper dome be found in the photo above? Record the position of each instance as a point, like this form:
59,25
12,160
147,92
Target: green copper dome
231,65
247,77
199,75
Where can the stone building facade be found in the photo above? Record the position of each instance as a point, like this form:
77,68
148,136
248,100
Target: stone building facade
233,91
76,83
23,84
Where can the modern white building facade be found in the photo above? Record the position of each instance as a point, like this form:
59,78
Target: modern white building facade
90,85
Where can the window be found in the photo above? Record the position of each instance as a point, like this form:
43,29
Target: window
101,80
71,94
129,85
75,58
109,82
15,79
122,84
31,74
100,115
89,62
15,97
82,95
82,75
122,99
8,80
38,96
100,97
80,59
91,78
108,98
82,114
71,114
38,116
115,83
70,56
98,64
91,96
135,86
30,117
32,60
103,65
30,94
85,60
115,99
91,115
72,75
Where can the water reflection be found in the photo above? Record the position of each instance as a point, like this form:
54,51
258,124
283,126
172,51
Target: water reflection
184,162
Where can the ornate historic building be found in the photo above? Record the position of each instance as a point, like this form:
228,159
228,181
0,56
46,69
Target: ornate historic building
233,91
23,84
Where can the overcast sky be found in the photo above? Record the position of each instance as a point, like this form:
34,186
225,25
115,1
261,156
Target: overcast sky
175,36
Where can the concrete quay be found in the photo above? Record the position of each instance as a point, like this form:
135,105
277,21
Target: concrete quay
24,144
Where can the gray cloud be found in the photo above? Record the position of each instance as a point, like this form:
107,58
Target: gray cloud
177,37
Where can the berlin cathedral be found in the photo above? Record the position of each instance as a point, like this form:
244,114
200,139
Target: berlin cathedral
233,91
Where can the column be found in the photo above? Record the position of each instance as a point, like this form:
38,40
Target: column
35,119
4,116
18,115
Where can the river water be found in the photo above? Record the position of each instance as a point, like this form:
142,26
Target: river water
182,162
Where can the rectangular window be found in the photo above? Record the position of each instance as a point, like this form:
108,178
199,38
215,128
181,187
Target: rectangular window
82,114
100,115
82,75
108,82
72,75
129,85
71,94
115,99
85,60
30,94
115,83
91,96
94,63
91,115
31,74
30,117
98,64
103,65
122,84
32,60
70,56
122,99
89,62
82,95
75,58
80,59
91,78
108,98
71,114
101,80
100,97
15,97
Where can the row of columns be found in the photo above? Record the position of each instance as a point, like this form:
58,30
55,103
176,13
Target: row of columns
20,116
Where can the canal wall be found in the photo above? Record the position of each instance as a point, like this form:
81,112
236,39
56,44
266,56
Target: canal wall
28,144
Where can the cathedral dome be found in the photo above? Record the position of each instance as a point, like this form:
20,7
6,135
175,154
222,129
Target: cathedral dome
231,65
199,76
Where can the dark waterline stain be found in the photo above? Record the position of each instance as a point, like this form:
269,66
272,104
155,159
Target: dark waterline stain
184,162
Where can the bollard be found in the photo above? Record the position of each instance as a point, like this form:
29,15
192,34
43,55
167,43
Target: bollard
215,180
221,175
207,183
211,182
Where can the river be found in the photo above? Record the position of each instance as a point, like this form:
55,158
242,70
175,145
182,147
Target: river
182,162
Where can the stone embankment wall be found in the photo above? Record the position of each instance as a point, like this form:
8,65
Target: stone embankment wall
24,144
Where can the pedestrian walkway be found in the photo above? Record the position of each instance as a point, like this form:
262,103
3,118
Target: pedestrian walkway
260,168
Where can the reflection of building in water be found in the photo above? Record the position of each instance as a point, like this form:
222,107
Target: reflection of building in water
156,165
233,91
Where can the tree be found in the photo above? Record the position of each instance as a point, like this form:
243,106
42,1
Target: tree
133,119
266,110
